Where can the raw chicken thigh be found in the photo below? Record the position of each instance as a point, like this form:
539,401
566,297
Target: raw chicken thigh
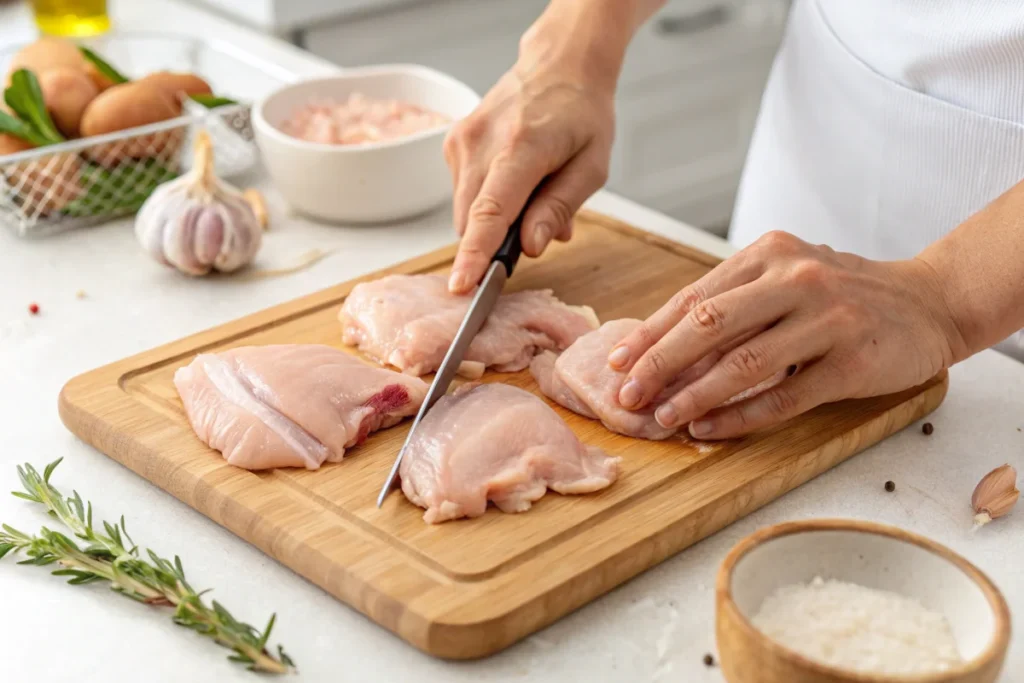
293,405
581,380
496,442
409,321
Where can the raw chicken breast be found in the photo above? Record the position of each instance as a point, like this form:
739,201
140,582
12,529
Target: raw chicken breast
581,380
496,442
409,321
293,405
359,119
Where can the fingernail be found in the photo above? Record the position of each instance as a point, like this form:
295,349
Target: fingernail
630,394
700,428
619,357
541,237
666,415
457,281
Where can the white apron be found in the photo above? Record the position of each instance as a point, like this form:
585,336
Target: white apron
886,123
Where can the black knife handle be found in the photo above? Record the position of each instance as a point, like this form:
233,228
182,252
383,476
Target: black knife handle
510,250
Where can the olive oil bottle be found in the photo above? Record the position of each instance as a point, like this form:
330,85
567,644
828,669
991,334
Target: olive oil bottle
71,17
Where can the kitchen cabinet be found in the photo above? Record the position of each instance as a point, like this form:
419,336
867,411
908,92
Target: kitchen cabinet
688,96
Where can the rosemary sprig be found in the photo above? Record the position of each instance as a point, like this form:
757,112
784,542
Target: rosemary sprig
112,556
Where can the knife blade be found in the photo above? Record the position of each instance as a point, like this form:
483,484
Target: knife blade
502,265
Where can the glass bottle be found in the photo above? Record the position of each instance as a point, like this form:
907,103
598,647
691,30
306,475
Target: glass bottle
71,18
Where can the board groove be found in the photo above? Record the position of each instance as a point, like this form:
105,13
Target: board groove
467,589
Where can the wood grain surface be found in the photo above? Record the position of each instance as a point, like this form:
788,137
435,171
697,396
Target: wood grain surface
470,588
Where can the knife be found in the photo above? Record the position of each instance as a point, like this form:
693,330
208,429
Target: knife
502,265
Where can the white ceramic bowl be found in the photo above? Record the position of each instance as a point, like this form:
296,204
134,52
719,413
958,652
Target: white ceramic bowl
365,183
868,554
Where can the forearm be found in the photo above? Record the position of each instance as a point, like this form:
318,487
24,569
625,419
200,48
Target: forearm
587,37
981,267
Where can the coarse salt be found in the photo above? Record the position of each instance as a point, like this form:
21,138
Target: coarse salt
858,629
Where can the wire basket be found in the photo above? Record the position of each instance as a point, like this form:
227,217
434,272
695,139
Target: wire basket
92,180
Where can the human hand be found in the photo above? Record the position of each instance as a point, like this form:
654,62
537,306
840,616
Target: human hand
550,119
855,327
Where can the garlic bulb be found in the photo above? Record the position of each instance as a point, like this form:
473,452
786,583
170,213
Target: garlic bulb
995,495
197,223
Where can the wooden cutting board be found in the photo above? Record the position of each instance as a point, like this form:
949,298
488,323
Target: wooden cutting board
470,588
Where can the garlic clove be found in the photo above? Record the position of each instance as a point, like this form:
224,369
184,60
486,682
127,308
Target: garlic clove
995,495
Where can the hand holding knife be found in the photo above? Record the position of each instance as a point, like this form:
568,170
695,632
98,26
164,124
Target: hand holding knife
502,265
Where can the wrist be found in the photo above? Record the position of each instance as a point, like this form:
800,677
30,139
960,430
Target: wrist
943,310
585,41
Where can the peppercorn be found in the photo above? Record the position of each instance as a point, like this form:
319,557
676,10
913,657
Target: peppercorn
890,486
33,308
927,428
709,660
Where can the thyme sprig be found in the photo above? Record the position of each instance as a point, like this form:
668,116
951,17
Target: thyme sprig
112,556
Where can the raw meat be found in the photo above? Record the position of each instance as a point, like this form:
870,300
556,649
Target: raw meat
358,120
409,321
581,380
294,405
499,443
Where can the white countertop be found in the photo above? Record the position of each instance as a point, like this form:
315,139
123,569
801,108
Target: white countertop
655,628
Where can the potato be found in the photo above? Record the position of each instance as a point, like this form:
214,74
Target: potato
67,92
42,185
129,105
9,144
178,85
47,53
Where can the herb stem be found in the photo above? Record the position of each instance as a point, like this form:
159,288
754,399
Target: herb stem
106,557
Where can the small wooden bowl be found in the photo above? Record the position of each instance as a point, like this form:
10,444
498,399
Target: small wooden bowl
868,554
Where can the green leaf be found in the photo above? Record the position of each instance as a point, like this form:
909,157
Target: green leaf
262,644
99,552
103,66
211,101
85,579
79,576
19,129
123,189
77,505
113,534
285,659
12,531
124,528
25,496
241,658
50,468
25,476
6,548
25,99
61,540
222,613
